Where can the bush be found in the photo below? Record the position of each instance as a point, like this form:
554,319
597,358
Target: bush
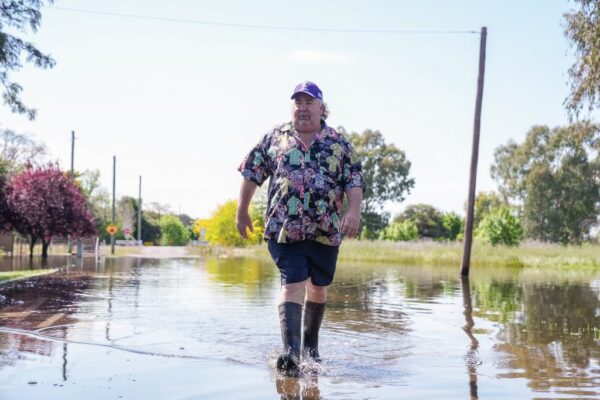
405,230
453,225
501,227
173,231
220,228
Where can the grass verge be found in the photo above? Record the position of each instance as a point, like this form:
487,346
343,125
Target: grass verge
528,254
7,276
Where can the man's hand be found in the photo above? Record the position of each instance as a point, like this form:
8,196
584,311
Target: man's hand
350,223
351,220
242,218
243,221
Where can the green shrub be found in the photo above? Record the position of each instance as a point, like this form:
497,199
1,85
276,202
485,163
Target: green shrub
404,231
501,227
173,232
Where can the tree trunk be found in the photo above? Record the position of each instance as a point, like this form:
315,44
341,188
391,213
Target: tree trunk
45,245
32,241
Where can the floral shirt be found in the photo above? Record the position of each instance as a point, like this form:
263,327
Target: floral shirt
307,184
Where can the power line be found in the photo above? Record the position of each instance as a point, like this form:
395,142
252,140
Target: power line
264,27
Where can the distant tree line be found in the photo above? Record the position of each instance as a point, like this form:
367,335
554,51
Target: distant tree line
40,202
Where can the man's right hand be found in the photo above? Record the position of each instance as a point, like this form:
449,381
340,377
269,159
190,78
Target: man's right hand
243,221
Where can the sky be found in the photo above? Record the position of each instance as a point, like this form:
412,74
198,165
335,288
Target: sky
180,91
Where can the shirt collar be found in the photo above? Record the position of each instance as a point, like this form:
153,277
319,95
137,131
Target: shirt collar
322,134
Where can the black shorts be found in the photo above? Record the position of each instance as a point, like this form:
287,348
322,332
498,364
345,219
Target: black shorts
300,260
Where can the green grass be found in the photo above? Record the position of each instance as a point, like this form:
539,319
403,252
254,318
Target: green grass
6,276
528,254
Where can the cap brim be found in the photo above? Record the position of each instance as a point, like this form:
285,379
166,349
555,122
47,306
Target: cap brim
302,91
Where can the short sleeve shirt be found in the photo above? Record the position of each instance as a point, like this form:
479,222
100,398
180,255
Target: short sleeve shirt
307,185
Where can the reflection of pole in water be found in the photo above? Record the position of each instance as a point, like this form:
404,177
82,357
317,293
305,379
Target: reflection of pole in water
64,357
110,295
471,357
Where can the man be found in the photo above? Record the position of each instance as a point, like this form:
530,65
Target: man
311,167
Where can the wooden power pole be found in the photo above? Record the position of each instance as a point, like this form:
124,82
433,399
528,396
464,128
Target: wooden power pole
112,237
466,259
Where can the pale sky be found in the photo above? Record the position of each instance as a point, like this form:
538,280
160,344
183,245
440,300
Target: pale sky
181,102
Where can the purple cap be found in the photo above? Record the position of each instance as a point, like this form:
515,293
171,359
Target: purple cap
310,88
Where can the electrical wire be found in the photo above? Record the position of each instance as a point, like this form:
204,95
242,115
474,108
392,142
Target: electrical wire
263,27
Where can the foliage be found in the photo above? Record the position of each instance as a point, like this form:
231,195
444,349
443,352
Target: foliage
404,231
221,230
17,150
554,180
501,227
429,220
453,225
5,214
173,232
98,198
150,227
44,202
386,173
582,29
373,223
485,203
19,16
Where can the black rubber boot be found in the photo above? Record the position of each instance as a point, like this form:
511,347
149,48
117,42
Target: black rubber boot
313,316
290,319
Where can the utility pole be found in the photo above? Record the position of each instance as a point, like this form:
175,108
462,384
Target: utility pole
466,259
112,237
69,243
139,221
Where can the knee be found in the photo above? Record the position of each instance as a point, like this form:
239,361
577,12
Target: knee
316,293
293,291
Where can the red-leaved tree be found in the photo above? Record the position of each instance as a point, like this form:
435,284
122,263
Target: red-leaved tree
5,214
44,202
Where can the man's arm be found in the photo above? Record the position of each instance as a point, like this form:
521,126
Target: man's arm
351,220
242,218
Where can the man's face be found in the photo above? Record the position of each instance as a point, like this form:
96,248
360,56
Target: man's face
306,113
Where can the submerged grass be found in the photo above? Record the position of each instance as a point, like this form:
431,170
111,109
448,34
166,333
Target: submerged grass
528,254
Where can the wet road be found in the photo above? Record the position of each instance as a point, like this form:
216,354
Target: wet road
208,329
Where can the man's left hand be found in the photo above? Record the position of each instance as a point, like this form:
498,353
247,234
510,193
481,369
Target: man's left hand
350,224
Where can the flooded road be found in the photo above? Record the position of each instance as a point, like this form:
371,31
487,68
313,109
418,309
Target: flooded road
133,328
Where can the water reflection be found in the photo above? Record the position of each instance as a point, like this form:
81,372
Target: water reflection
553,339
298,389
471,358
515,333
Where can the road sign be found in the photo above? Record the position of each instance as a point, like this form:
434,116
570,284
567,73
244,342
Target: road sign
112,229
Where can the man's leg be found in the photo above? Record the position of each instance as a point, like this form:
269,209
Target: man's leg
290,319
314,308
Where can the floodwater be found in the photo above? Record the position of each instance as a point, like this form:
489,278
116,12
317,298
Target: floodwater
133,328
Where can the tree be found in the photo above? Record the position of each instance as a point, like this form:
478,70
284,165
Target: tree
5,214
453,225
44,202
18,149
173,233
150,228
127,214
582,29
404,231
553,179
501,227
221,230
19,16
485,203
429,220
385,170
98,198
